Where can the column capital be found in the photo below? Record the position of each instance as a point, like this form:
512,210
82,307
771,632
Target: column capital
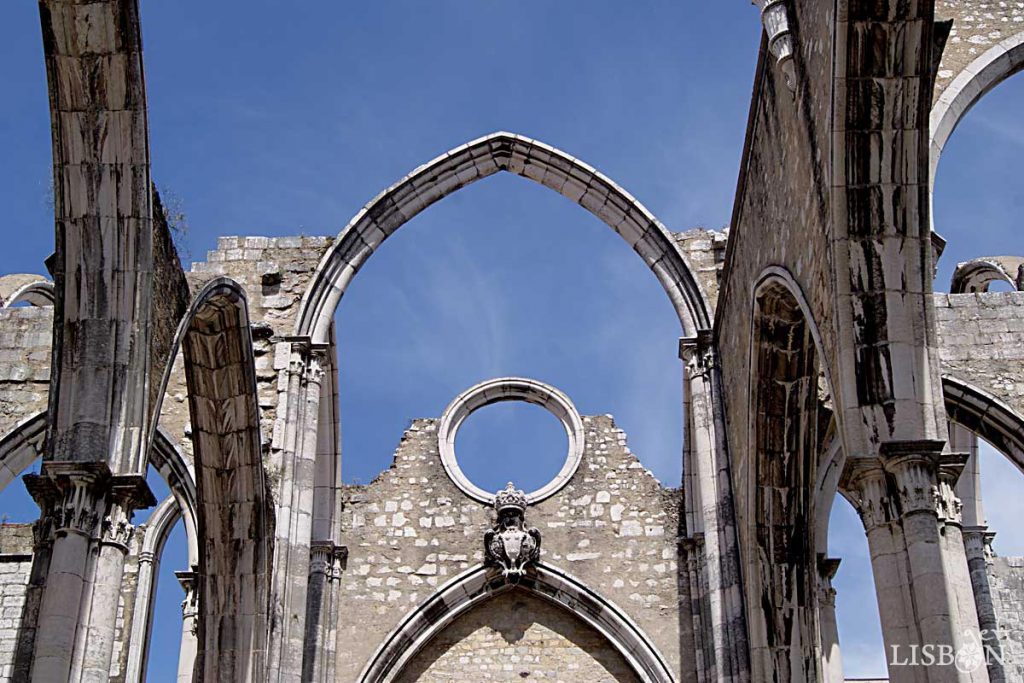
327,558
949,506
865,478
914,466
77,496
827,568
70,496
698,353
190,605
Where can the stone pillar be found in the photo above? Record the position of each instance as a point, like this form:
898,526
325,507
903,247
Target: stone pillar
91,525
327,562
832,664
900,506
295,512
978,547
189,626
145,595
958,574
707,472
42,549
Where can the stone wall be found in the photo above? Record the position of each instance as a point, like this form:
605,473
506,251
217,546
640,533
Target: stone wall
982,342
516,637
25,337
705,252
782,220
1006,582
15,566
613,526
977,26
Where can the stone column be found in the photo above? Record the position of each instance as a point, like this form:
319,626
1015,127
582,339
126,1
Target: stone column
958,573
295,513
326,564
145,597
978,547
900,504
126,494
829,631
91,523
189,626
707,471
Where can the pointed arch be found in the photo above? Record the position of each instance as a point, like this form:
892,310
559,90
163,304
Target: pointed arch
474,161
34,290
785,482
995,65
478,584
987,416
235,517
978,274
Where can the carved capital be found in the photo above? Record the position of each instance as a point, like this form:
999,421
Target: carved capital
914,466
84,498
71,496
128,493
327,558
296,366
698,354
190,605
315,368
827,568
775,18
949,506
866,481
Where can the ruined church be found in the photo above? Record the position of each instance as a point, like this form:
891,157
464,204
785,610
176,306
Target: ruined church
819,359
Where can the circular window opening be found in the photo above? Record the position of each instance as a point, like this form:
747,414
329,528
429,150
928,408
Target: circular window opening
511,441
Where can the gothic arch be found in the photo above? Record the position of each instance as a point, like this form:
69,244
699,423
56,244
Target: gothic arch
235,518
987,416
158,528
994,66
978,274
787,439
478,584
479,159
34,290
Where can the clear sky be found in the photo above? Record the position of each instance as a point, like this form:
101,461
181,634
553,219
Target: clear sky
277,119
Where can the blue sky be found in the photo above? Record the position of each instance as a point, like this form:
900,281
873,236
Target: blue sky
274,121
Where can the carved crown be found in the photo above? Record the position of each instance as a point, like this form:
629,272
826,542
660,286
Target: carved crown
510,497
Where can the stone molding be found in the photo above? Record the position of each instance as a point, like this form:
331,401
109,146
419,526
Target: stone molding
478,159
510,389
775,17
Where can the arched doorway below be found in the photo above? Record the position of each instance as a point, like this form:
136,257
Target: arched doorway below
517,637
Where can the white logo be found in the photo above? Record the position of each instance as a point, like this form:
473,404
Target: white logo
977,651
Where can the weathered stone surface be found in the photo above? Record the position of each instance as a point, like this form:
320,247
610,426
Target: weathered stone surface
613,527
517,637
822,372
982,342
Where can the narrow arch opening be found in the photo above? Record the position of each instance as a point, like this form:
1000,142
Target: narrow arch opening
791,423
856,609
978,200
